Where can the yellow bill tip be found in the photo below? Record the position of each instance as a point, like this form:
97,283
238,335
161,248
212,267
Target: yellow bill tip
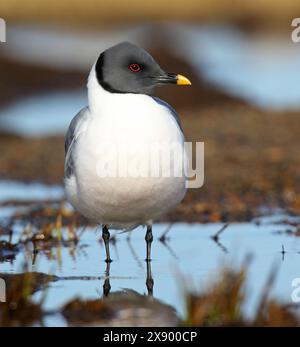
183,81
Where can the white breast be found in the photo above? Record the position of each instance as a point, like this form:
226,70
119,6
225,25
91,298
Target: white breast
131,124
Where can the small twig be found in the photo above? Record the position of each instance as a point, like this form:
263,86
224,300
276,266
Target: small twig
216,237
220,245
80,232
282,252
169,248
136,258
218,233
163,235
128,238
267,289
114,243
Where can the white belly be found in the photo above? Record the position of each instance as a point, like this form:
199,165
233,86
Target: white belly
114,164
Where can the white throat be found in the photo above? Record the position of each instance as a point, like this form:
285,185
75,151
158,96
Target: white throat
97,95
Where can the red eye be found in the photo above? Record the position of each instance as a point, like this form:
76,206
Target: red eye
135,67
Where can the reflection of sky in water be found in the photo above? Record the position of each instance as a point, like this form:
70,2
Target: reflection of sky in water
197,259
264,70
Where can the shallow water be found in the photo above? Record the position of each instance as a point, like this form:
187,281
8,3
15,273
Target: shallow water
14,190
40,115
189,259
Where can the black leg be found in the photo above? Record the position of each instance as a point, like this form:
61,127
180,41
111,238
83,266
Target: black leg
106,285
106,236
149,279
149,239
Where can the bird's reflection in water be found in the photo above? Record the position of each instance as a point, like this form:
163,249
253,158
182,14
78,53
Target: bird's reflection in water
149,280
137,309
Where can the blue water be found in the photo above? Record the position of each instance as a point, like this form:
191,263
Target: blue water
46,114
14,190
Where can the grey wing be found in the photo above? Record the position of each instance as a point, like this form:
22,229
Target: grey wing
170,108
75,128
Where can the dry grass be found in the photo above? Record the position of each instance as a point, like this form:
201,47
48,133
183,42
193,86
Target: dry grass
19,310
222,304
